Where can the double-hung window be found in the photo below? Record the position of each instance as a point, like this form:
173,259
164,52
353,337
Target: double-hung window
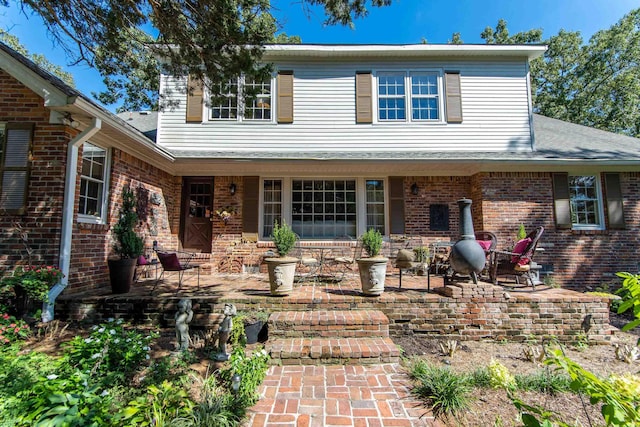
242,99
324,208
15,146
586,202
409,96
92,203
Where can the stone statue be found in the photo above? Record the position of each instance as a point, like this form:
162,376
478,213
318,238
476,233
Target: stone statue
183,317
224,331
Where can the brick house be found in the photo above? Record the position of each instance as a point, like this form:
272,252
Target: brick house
340,139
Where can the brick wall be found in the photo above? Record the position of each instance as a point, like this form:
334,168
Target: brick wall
42,221
92,244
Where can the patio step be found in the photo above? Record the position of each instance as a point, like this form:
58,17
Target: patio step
315,351
329,324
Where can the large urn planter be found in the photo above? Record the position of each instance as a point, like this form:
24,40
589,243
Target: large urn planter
281,274
121,272
372,274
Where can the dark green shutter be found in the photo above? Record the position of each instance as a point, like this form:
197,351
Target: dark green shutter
396,204
250,204
561,202
615,212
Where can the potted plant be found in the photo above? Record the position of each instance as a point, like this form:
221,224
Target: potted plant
282,268
128,245
373,269
255,325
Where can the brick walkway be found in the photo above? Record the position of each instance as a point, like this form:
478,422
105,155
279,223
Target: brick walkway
338,395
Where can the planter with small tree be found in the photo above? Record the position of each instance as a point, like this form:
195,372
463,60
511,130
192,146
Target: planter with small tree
373,269
282,269
128,245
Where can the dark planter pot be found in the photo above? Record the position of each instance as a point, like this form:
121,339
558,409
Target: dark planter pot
23,303
253,331
121,272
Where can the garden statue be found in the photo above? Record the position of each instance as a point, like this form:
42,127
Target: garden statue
184,315
224,331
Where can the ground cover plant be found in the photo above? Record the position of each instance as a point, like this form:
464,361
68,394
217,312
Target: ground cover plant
507,384
113,374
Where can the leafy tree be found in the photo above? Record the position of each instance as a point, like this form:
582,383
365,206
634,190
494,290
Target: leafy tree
456,39
595,84
130,41
14,43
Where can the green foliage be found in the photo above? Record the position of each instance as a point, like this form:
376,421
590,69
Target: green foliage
215,42
111,353
35,281
619,396
252,370
284,238
447,392
216,407
163,405
544,381
631,286
522,232
14,43
371,242
12,329
127,242
594,84
237,336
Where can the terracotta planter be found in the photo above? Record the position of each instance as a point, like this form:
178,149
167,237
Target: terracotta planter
372,274
281,274
121,272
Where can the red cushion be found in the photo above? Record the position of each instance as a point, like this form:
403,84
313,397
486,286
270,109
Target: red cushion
169,262
519,248
486,244
142,260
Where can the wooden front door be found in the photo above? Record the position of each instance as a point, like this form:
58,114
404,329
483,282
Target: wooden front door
197,210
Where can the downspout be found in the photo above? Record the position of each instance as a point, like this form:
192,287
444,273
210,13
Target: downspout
67,215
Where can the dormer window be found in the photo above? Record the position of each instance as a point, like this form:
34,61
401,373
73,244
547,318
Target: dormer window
242,100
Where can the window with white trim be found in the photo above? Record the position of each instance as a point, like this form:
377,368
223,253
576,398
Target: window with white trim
586,202
92,203
324,208
242,100
419,92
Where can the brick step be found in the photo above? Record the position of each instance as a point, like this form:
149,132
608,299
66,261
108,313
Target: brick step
328,324
316,351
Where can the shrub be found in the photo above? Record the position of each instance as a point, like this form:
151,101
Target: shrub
111,353
371,242
127,242
12,330
283,238
447,392
251,369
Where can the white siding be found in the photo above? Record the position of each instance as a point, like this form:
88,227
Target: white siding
494,102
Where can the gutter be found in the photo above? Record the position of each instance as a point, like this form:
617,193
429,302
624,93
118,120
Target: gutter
67,215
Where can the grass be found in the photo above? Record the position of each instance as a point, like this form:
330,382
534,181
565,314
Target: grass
449,393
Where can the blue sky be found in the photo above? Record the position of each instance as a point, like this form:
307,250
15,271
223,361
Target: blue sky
406,21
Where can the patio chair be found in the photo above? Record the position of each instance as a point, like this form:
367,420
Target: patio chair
489,242
178,262
517,262
308,264
342,259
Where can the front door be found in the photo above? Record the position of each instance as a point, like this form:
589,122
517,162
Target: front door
196,208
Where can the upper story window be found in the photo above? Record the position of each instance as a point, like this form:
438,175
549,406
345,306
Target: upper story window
92,204
586,202
15,147
416,91
242,100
